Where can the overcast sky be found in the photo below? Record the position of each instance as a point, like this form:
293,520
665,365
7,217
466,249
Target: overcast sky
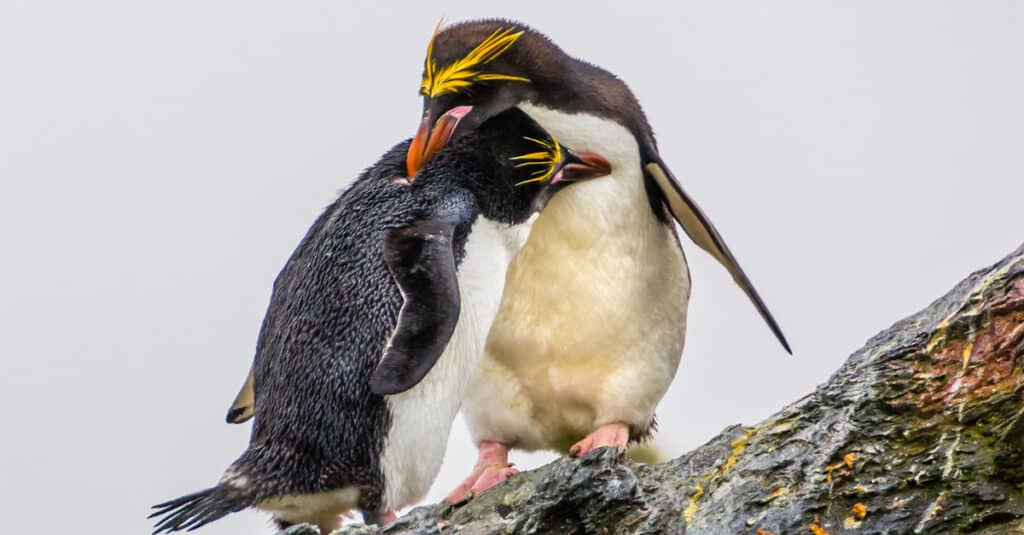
160,160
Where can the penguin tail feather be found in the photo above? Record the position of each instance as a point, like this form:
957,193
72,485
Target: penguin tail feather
192,511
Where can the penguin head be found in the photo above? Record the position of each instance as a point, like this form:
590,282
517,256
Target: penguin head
510,164
494,65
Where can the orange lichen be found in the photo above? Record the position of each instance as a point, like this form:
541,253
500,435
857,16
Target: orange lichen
778,492
738,446
848,462
764,532
966,358
816,529
691,509
859,510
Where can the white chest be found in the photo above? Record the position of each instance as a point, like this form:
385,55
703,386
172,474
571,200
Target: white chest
422,416
591,324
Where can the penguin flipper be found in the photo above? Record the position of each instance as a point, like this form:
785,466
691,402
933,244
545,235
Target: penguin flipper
703,233
243,408
422,261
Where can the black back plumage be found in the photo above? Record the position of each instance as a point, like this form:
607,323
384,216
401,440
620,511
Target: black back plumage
334,306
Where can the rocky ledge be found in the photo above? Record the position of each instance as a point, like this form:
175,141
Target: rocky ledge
920,431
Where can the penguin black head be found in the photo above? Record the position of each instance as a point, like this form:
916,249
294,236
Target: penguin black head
509,163
495,65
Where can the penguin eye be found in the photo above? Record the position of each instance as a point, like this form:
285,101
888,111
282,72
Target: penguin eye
547,159
463,73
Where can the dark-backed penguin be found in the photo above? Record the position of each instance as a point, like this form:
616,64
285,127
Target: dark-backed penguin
591,326
376,325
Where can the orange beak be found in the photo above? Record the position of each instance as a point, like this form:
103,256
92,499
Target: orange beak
582,166
431,138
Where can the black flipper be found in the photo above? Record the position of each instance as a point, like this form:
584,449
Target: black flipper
422,261
703,233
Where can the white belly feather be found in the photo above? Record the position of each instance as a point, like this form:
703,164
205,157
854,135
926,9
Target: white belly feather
592,321
422,416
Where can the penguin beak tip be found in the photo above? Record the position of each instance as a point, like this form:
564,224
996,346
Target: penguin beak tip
432,136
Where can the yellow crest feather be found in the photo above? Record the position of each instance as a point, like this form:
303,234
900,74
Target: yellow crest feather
463,73
550,158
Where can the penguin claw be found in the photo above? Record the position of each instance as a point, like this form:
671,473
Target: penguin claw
492,467
486,479
608,435
491,477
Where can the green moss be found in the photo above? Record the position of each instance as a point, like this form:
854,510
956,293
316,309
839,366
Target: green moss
646,454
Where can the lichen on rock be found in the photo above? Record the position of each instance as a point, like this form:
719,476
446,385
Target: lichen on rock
920,431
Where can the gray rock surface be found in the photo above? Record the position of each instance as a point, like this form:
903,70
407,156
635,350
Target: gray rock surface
920,431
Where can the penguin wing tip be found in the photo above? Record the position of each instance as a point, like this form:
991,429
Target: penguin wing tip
237,415
776,329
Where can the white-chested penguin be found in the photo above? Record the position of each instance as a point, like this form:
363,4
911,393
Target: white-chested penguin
592,322
376,326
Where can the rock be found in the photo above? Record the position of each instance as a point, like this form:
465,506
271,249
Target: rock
920,431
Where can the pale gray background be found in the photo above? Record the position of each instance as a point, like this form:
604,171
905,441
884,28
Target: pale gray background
160,160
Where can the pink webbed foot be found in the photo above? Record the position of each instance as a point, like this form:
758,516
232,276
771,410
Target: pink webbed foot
492,467
608,435
491,477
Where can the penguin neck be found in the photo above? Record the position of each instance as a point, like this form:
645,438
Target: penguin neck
588,132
